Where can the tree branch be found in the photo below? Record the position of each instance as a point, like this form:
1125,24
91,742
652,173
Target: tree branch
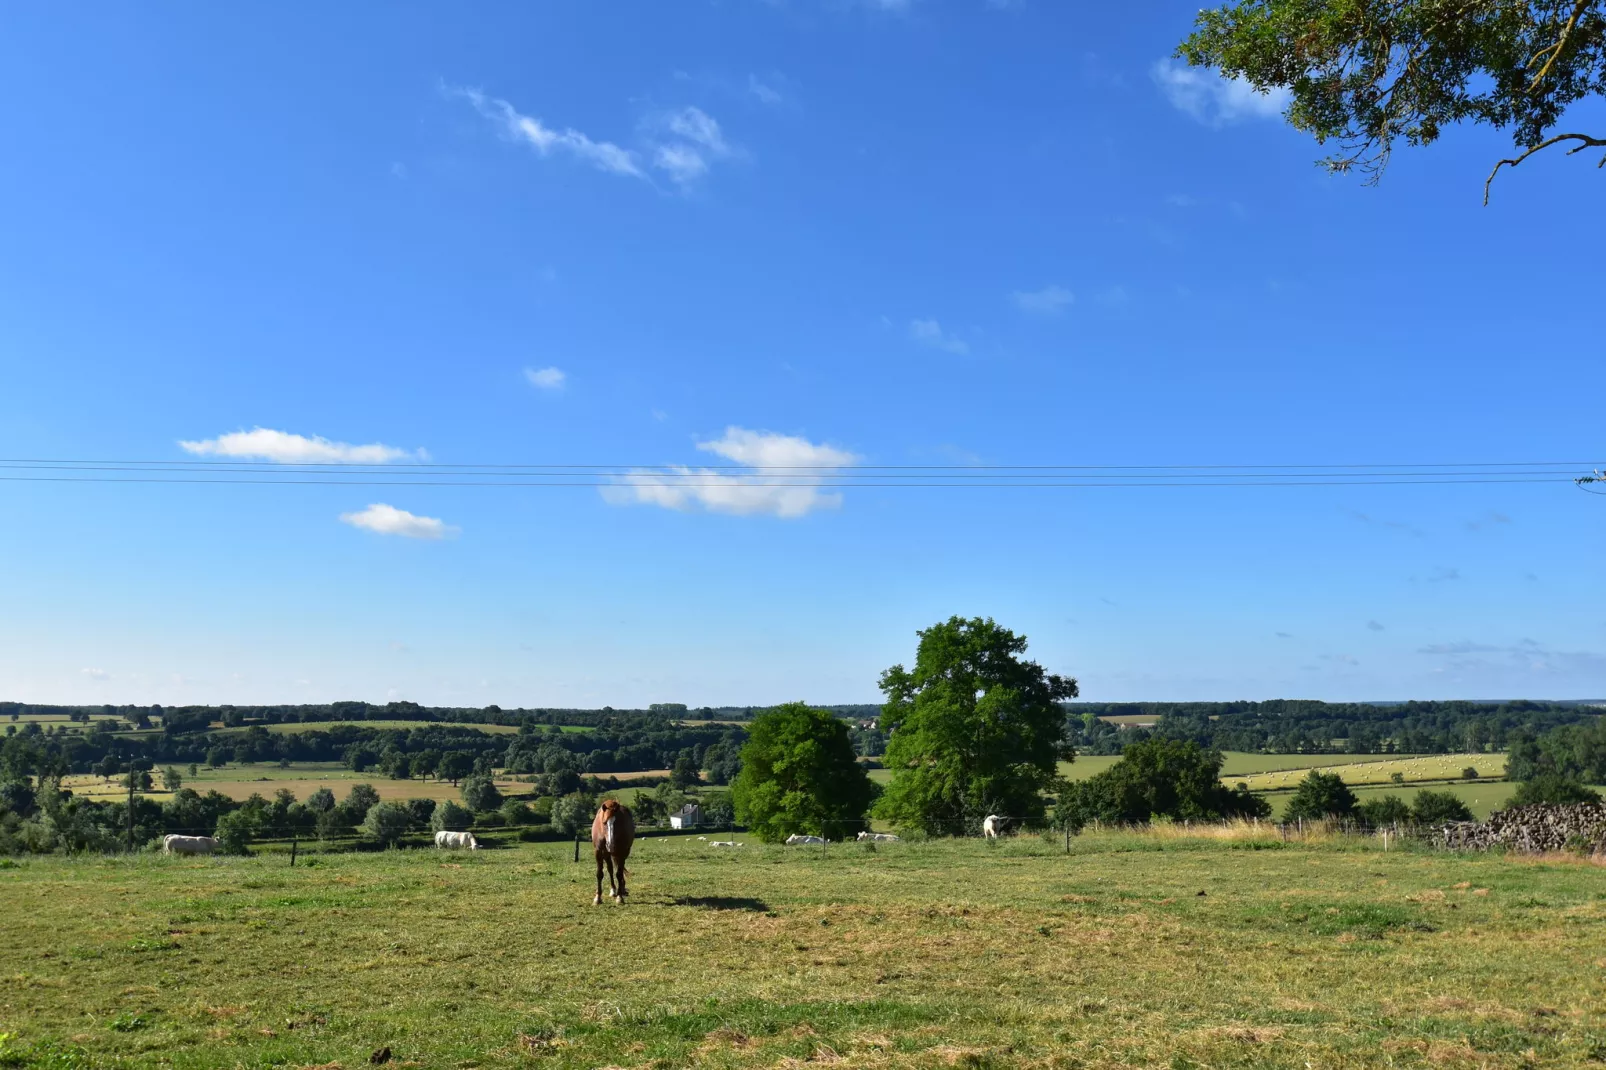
1585,142
1556,49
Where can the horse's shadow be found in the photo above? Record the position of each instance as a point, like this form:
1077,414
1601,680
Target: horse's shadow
720,902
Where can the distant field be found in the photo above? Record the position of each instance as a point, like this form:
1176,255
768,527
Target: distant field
1240,765
1379,769
1481,798
303,778
1134,951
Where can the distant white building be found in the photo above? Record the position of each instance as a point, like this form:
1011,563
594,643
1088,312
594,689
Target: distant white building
687,817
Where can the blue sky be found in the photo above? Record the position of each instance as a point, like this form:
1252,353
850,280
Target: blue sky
717,233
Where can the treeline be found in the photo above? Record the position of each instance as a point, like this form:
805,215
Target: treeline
1299,726
448,751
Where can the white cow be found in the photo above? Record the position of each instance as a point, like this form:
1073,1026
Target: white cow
188,845
723,843
877,837
796,838
443,838
994,826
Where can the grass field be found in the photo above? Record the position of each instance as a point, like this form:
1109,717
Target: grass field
1481,797
1379,769
303,778
1146,951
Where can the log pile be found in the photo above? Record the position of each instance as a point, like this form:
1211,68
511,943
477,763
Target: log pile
1531,829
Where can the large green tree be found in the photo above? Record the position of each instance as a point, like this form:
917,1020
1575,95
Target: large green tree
799,775
976,730
1367,74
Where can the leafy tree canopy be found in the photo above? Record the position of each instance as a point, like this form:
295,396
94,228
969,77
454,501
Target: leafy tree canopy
1367,74
799,775
1321,795
387,823
975,729
1438,808
1158,778
480,794
1551,788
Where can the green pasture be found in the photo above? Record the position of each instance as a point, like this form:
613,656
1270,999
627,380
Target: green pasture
1481,797
303,778
1380,769
1136,950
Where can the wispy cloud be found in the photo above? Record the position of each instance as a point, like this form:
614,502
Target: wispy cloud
546,140
1212,99
1284,635
284,447
791,485
930,333
692,141
1047,301
1374,626
384,519
545,378
96,674
763,92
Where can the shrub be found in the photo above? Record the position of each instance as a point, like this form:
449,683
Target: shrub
1438,808
322,800
1167,778
337,821
516,812
1389,810
1469,773
480,794
1321,795
387,823
360,800
236,831
449,817
1550,788
419,812
571,814
1397,777
491,819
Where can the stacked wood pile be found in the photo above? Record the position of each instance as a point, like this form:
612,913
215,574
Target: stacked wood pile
1544,827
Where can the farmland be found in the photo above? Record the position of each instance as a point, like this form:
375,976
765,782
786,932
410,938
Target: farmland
1136,950
1376,769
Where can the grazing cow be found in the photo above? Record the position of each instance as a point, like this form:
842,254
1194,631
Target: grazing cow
443,838
877,837
797,838
723,843
994,826
613,830
188,845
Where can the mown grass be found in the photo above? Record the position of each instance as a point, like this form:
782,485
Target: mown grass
302,778
1377,769
1136,950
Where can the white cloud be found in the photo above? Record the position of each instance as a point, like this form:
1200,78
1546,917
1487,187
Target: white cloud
692,140
283,447
698,126
388,520
545,378
930,333
796,485
764,449
603,155
681,162
1214,100
1047,301
96,674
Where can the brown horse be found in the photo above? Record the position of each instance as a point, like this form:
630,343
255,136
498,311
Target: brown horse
613,830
